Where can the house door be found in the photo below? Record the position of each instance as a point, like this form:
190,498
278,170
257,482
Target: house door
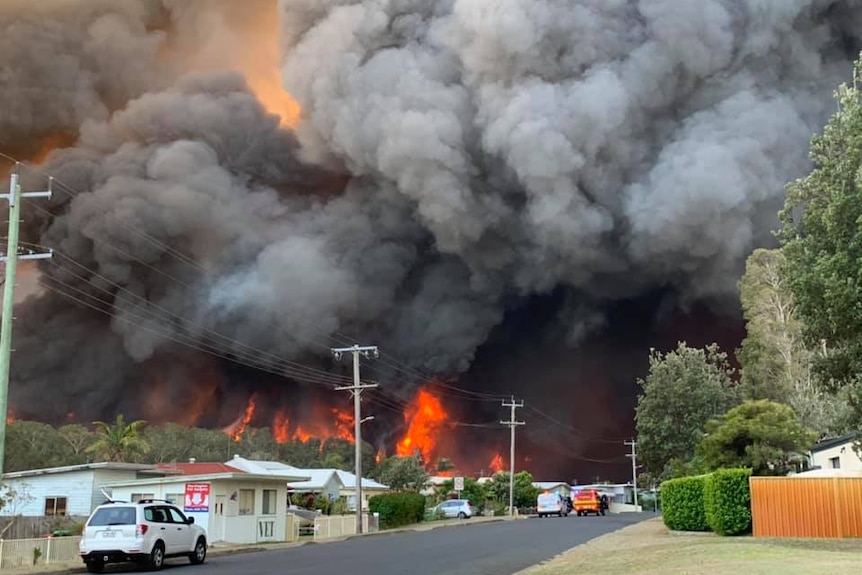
218,512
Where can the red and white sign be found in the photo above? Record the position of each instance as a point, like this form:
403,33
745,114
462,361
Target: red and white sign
197,497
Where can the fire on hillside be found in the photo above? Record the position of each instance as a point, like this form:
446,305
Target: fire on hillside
429,431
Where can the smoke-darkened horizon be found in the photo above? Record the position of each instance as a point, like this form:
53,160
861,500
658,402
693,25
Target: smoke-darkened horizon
262,180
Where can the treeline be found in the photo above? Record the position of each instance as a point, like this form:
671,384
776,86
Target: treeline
33,445
800,375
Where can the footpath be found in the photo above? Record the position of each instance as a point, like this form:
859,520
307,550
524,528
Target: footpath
216,549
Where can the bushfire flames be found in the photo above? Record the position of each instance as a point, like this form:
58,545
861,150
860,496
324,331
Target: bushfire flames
261,67
429,433
236,429
426,418
318,423
497,463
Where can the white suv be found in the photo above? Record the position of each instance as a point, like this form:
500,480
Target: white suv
144,532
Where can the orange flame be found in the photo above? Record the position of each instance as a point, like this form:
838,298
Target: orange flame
323,425
426,418
497,464
236,429
280,428
379,456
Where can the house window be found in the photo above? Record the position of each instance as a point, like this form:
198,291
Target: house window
269,501
55,506
246,501
138,496
835,462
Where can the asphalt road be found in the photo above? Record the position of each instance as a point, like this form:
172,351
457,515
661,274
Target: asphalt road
499,548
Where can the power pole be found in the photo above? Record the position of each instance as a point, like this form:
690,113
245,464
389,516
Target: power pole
634,457
512,424
11,259
356,390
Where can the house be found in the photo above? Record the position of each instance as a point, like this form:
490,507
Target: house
837,453
332,482
69,490
370,488
322,482
559,487
232,505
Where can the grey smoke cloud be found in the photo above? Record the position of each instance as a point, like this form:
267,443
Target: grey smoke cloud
493,149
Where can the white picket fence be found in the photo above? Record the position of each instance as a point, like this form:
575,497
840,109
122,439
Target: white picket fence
329,526
16,553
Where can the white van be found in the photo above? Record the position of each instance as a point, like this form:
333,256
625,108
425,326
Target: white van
551,504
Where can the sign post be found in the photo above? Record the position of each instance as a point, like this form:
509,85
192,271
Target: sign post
459,485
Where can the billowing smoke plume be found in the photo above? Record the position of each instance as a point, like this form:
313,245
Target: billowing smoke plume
451,159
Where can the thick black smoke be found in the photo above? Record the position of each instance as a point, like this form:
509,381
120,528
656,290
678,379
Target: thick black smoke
454,158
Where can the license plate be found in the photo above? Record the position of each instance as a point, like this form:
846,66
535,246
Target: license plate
108,533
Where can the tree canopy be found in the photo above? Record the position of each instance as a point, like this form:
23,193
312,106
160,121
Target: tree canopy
118,441
403,473
822,241
763,435
776,363
683,390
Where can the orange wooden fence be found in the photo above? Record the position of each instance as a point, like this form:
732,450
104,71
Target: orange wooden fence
824,507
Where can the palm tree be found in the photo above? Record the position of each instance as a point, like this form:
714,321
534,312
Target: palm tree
118,441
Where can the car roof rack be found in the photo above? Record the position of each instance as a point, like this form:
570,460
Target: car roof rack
110,501
155,500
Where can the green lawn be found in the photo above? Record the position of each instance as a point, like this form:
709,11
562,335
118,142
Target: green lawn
650,549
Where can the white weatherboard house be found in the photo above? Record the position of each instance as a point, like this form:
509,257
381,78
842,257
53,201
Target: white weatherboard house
332,482
70,490
233,506
558,487
837,453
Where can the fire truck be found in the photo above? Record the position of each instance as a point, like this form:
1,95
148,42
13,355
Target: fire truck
588,502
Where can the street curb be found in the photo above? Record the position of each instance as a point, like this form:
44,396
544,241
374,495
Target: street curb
243,550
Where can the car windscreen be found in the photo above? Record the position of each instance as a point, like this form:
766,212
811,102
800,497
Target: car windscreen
113,516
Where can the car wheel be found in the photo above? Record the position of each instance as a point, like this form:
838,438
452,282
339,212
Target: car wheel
157,556
95,566
462,515
200,553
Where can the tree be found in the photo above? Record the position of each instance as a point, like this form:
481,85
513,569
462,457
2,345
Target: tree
822,241
12,501
763,435
32,445
523,492
683,390
473,491
119,441
776,363
77,438
401,473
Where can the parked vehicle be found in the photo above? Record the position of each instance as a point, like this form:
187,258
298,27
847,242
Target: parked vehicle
145,532
588,502
460,508
551,504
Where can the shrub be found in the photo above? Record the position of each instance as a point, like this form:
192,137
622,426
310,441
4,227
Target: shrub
727,501
682,504
398,508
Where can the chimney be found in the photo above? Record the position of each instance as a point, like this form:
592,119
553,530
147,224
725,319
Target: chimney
192,459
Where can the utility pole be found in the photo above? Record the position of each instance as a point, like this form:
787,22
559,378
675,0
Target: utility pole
512,424
634,457
11,258
356,390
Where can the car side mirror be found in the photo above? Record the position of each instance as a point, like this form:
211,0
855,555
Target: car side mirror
191,520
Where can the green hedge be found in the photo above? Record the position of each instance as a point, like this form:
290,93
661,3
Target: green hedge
727,501
682,504
398,508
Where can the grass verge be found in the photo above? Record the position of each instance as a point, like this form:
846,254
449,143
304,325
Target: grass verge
648,548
